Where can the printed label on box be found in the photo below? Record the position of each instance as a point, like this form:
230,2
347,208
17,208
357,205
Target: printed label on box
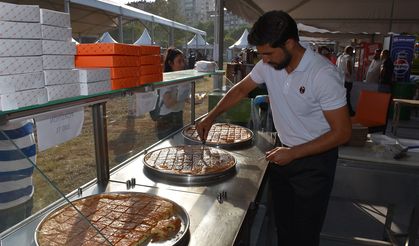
18,65
20,47
58,61
93,75
58,77
17,12
50,47
55,18
19,82
56,33
20,30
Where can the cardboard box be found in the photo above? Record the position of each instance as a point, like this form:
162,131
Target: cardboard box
21,99
58,61
124,83
56,33
50,47
93,74
19,82
59,77
18,12
124,72
18,65
20,47
56,92
149,50
108,49
150,69
20,30
95,87
151,78
55,18
106,61
150,60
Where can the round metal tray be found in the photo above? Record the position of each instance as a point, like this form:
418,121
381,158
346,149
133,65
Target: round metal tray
234,145
180,239
178,178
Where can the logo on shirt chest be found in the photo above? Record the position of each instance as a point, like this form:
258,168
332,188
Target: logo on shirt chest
302,89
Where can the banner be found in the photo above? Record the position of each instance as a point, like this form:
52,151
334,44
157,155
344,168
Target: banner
401,53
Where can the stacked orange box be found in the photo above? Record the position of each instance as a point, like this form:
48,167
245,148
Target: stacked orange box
149,63
122,59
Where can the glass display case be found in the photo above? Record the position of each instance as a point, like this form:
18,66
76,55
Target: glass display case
107,158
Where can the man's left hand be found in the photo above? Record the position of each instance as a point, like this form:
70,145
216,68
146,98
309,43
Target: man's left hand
280,155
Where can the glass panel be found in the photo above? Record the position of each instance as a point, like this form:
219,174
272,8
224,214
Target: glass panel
127,134
27,194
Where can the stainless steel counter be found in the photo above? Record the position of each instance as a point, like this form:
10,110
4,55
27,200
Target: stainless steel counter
211,222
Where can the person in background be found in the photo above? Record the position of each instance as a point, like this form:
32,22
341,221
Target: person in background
171,101
16,187
386,72
324,51
307,99
373,72
345,64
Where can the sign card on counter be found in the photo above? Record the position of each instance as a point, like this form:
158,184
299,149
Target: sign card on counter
58,127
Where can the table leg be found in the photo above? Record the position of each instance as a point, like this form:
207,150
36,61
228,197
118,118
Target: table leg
396,117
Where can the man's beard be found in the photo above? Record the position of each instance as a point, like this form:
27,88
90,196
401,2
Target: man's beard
284,63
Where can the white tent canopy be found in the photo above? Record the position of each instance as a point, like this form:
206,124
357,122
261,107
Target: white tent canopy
106,38
145,39
242,42
355,16
198,42
94,17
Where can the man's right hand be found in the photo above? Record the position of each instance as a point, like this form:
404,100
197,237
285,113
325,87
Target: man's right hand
203,128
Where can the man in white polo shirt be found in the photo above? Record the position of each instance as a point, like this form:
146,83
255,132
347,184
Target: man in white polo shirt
308,104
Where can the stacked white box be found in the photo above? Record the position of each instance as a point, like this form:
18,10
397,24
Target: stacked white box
55,18
56,33
56,92
95,87
59,77
20,47
58,62
23,13
20,30
18,65
50,47
94,80
15,100
87,75
20,82
21,76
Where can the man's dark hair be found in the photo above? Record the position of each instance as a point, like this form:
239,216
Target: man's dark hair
273,28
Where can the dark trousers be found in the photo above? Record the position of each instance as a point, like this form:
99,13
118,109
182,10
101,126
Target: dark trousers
348,86
300,194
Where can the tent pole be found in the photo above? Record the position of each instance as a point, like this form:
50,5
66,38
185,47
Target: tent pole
391,16
218,41
121,31
67,6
